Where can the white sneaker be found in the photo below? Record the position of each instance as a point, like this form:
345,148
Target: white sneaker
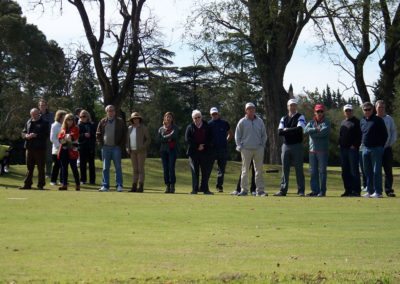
119,188
235,192
6,170
103,189
367,195
365,189
376,195
53,183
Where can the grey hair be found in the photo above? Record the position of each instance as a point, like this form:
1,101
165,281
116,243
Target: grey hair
196,112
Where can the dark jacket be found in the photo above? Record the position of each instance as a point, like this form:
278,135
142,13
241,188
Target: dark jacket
87,144
168,141
41,128
350,133
374,133
120,132
192,145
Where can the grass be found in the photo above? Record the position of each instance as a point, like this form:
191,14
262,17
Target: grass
92,237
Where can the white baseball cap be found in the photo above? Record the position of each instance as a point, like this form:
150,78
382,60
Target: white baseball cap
348,106
291,102
214,110
248,105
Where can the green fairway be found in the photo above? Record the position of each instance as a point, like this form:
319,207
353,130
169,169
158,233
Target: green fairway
92,237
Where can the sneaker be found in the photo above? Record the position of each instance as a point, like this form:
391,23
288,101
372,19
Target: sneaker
103,189
5,169
242,193
321,194
390,194
261,194
365,189
119,188
53,183
367,195
280,193
311,194
235,192
376,195
301,194
254,193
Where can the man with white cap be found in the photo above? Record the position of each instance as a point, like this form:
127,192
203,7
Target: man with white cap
291,128
221,135
349,142
250,138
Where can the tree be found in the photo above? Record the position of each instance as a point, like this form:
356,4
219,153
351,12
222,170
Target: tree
272,31
390,61
115,71
30,68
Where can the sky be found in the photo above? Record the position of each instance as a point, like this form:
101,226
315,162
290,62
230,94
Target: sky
307,70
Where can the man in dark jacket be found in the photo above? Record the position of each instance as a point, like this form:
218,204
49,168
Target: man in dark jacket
35,134
349,142
198,136
374,136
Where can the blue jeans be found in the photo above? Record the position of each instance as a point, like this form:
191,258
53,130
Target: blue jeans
350,170
372,159
168,159
111,153
318,164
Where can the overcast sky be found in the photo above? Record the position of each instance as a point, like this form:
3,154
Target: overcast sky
307,70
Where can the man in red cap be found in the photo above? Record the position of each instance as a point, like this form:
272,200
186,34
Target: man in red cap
318,130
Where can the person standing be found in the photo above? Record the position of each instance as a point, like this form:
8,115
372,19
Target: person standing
318,130
250,138
69,153
138,140
291,128
387,159
55,130
374,137
35,134
87,147
221,134
111,136
49,118
168,137
198,136
349,142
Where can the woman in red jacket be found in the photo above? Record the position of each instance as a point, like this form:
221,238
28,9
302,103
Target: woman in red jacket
68,153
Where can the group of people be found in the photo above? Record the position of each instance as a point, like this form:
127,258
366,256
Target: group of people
364,144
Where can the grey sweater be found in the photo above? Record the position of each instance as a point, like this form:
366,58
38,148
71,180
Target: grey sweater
250,134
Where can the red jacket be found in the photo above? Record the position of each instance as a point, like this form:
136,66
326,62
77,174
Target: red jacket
73,146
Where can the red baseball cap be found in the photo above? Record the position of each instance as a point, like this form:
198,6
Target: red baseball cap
319,107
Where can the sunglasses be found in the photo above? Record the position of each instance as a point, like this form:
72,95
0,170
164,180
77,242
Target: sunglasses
367,109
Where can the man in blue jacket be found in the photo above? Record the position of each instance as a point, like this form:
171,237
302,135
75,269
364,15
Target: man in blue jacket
374,136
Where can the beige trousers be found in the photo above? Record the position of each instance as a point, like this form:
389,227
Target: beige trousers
257,155
138,159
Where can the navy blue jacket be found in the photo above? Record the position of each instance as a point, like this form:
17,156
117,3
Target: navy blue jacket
374,133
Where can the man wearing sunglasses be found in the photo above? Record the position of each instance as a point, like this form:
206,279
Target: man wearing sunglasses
349,142
318,129
374,136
